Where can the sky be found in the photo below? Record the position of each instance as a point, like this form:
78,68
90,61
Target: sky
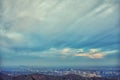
59,32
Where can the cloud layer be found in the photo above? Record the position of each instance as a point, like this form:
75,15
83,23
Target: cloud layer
67,52
59,28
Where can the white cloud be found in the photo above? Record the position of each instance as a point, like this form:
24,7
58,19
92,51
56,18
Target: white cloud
108,11
96,53
67,52
81,54
94,50
15,36
92,56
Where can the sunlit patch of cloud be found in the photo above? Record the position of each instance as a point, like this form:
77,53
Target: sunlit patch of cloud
70,52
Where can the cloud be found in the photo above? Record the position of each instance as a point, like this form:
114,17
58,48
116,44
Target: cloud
92,56
94,50
54,28
50,20
66,51
71,52
92,53
96,53
13,36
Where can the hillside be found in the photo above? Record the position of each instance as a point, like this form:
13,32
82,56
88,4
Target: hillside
48,77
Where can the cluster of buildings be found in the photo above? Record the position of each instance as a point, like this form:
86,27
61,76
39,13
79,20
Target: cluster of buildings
66,71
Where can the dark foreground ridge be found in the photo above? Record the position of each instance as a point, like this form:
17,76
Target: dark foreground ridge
48,77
